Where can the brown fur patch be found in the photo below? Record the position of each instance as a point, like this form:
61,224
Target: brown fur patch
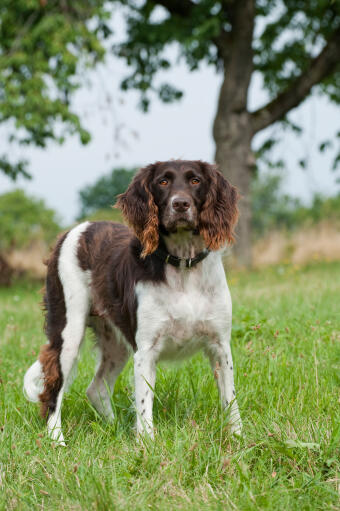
150,236
219,212
113,255
82,253
140,211
49,358
55,320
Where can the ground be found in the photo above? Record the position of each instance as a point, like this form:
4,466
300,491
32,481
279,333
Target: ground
286,348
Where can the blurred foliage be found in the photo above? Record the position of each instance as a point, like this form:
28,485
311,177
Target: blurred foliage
274,210
45,47
105,214
103,193
25,219
271,208
321,208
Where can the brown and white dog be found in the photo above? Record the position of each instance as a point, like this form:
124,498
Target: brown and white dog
159,289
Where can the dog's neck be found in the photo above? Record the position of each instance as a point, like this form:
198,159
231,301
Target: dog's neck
184,244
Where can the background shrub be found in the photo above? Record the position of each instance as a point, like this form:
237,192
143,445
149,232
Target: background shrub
103,193
273,210
24,220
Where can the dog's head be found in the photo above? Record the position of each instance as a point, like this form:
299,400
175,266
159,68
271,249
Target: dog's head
186,195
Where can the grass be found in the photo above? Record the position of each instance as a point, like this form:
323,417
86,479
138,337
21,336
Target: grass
286,347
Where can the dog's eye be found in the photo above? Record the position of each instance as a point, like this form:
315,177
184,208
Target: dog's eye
195,181
164,182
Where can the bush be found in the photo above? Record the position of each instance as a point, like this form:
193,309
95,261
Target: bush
322,208
25,219
273,210
103,193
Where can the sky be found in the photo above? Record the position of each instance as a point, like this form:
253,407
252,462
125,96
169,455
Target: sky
122,135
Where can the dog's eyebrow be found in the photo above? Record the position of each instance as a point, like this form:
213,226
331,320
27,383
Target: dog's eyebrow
167,172
189,172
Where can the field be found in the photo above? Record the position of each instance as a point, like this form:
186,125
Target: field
286,348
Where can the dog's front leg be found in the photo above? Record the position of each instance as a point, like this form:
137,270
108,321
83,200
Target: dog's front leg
222,366
145,379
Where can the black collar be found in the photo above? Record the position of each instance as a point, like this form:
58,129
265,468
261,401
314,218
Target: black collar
176,261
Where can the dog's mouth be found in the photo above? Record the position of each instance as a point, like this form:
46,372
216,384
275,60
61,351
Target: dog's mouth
182,221
179,223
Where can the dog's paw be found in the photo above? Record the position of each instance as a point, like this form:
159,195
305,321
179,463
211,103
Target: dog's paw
145,432
236,427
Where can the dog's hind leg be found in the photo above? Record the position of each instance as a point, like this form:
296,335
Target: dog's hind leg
33,382
113,355
67,302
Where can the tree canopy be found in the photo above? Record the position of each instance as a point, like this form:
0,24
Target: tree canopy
295,46
45,45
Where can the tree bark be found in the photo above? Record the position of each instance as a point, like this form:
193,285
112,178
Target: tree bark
235,159
6,272
232,127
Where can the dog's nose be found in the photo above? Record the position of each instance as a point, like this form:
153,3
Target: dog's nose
180,204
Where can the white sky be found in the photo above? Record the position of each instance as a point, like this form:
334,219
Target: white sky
178,130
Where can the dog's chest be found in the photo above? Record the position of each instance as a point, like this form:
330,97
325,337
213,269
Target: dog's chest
179,317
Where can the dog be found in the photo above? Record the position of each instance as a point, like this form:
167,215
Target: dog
158,288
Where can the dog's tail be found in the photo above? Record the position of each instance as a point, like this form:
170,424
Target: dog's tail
33,382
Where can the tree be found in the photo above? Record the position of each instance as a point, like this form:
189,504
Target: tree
25,219
44,47
102,194
296,49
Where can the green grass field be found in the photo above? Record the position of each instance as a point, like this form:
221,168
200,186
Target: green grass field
286,348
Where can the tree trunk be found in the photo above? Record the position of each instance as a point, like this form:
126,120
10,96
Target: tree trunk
6,272
233,127
235,159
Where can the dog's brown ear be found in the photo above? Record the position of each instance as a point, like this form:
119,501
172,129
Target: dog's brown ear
219,212
140,211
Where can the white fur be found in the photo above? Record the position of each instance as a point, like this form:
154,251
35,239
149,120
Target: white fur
190,311
75,282
33,382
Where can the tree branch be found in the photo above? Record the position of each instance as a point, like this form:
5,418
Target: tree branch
23,32
319,68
